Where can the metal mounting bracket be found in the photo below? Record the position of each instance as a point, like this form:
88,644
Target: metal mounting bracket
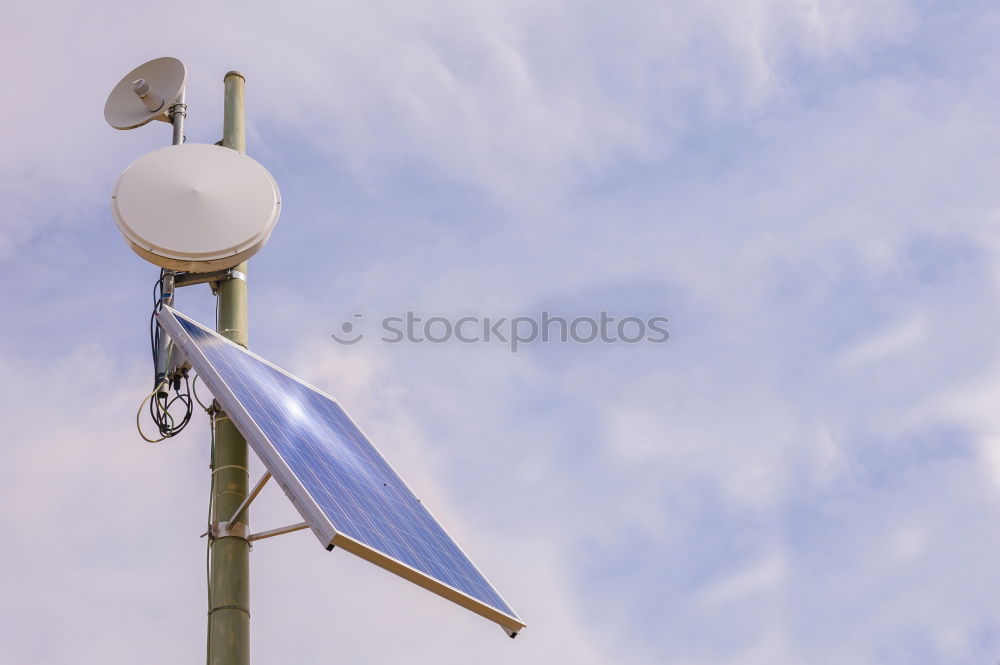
277,532
247,501
223,530
240,531
191,278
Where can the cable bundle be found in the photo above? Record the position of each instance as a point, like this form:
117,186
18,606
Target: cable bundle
160,400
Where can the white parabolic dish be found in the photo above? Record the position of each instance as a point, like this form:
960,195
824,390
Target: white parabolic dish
196,207
166,78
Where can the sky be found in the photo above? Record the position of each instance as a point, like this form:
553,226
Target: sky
806,472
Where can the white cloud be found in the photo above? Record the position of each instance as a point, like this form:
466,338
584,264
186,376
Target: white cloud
761,577
899,338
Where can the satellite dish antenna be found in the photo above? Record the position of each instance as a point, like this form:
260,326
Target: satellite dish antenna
146,93
196,207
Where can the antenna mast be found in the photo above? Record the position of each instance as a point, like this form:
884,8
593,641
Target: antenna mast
229,581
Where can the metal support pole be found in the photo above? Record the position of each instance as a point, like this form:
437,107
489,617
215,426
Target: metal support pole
229,584
177,113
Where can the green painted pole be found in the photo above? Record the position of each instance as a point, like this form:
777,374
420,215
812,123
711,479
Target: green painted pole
229,583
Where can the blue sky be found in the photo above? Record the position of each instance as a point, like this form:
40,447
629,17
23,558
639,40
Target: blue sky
807,472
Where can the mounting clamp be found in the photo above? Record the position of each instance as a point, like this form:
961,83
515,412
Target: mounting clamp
227,529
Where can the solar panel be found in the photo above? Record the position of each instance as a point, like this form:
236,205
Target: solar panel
345,490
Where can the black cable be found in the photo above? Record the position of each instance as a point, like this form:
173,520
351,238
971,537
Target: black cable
160,402
160,409
154,328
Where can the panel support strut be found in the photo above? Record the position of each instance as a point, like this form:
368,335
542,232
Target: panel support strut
247,501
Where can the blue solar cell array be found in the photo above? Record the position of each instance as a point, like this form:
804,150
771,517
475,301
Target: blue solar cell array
342,472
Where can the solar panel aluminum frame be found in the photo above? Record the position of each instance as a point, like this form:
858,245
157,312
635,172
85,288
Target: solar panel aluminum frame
294,489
